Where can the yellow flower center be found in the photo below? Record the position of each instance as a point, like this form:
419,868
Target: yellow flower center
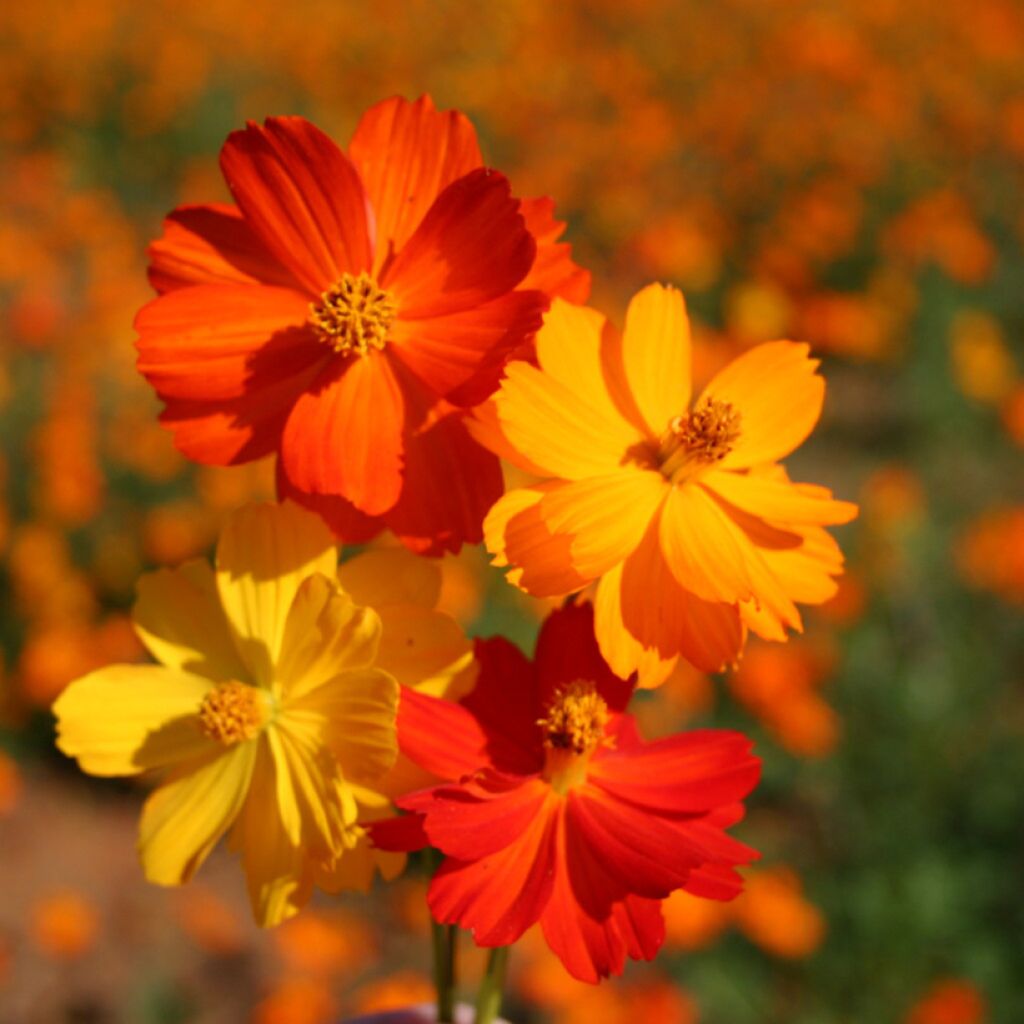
233,711
697,440
573,729
354,315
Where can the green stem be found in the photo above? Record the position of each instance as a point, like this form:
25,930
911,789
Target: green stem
488,1000
444,939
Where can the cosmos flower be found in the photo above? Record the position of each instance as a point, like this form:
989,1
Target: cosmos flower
555,810
676,509
267,714
346,310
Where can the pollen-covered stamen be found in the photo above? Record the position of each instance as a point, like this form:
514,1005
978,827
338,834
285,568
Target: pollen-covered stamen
354,315
699,439
233,711
573,729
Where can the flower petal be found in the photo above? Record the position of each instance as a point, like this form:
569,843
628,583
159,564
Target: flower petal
229,341
264,554
125,719
425,649
211,244
325,633
441,736
344,520
382,576
449,484
471,246
355,407
183,819
407,153
553,271
355,713
178,616
302,198
779,397
460,355
606,516
701,549
778,501
656,355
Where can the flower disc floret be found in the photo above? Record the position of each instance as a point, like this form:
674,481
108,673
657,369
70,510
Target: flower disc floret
701,438
354,315
232,712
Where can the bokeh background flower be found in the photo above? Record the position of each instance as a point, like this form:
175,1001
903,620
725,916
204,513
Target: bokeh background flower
847,174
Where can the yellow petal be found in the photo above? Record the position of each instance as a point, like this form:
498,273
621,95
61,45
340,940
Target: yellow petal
179,618
184,818
391,576
779,396
556,426
278,874
656,355
485,428
355,716
264,554
325,633
605,516
123,719
778,502
425,649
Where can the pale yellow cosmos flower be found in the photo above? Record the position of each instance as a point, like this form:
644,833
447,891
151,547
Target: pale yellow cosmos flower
269,713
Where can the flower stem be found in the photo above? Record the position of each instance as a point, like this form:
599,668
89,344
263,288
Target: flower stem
488,1000
444,939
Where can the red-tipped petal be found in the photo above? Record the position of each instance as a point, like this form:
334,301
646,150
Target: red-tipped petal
407,153
471,247
301,196
211,244
344,436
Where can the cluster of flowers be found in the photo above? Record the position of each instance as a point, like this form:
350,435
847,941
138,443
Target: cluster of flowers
389,322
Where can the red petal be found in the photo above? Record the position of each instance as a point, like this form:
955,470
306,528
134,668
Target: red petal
440,736
407,153
500,896
715,882
685,773
401,835
567,651
553,271
301,196
504,701
216,342
449,484
211,244
461,354
344,436
345,521
471,247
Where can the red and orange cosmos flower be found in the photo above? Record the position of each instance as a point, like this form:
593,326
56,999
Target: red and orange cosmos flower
677,510
344,312
559,812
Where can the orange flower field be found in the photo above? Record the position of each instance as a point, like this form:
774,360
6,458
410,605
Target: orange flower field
511,513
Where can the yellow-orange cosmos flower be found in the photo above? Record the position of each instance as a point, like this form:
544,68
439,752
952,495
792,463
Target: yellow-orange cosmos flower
676,508
268,712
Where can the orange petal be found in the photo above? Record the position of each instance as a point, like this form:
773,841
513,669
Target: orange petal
407,153
467,349
701,549
215,342
344,436
553,271
806,571
556,426
656,355
777,501
605,516
472,246
301,196
345,521
485,428
211,244
515,533
779,397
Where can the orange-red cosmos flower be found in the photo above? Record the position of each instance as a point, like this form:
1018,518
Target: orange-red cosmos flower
559,812
346,309
678,511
